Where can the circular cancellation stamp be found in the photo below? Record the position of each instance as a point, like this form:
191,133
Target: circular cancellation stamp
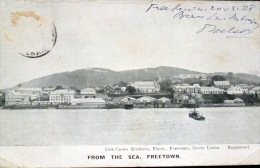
33,35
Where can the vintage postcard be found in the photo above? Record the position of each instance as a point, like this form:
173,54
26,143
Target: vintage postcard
108,83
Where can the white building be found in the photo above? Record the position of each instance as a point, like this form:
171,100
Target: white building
257,89
181,88
88,92
198,76
146,86
89,102
186,88
251,92
192,101
236,90
16,98
211,90
181,99
146,99
127,99
62,96
164,100
244,86
229,102
222,84
44,103
238,100
235,101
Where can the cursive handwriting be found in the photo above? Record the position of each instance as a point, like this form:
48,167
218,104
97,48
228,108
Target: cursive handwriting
244,18
211,28
182,15
197,8
176,8
240,16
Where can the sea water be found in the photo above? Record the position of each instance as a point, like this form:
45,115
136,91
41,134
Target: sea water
163,126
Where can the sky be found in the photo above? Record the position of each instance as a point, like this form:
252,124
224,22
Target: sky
123,36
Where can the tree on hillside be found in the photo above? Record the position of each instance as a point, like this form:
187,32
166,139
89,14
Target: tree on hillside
165,85
74,88
130,89
122,84
230,76
59,87
216,78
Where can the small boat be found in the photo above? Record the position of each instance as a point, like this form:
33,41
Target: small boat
196,115
128,104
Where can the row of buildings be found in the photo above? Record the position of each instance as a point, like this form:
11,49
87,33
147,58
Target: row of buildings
34,96
220,87
182,92
86,97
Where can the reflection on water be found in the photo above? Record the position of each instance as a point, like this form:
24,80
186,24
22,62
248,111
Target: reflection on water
129,127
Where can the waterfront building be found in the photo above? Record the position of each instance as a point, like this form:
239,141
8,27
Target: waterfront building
222,84
181,99
89,102
235,101
88,92
128,99
62,96
146,86
44,103
164,100
115,100
17,98
146,99
238,100
211,90
229,102
192,101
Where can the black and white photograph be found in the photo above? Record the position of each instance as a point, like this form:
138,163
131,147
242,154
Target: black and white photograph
108,83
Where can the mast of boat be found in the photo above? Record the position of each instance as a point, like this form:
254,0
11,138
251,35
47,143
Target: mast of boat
195,104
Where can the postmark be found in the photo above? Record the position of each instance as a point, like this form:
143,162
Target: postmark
33,35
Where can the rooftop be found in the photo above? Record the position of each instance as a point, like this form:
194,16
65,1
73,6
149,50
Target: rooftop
49,89
29,89
88,100
221,83
63,91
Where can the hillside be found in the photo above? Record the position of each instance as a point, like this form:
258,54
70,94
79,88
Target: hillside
101,77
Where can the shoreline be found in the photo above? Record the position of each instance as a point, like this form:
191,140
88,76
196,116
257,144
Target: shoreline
120,107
